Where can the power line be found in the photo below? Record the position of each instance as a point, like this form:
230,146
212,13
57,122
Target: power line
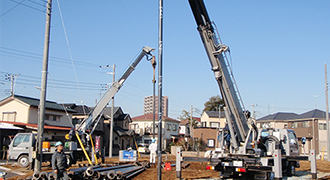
63,82
35,55
43,11
11,8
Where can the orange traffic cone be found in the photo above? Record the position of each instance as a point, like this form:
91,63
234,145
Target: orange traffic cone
168,166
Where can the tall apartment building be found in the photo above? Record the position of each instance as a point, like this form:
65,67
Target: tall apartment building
148,104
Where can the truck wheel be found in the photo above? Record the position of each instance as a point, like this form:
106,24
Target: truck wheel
23,161
68,160
291,170
270,176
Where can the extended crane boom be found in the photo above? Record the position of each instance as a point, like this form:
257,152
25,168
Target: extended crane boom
215,50
110,93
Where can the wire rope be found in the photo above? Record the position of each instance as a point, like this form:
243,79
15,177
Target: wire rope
67,42
66,112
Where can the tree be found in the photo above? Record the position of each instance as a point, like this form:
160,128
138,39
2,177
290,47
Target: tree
213,104
186,116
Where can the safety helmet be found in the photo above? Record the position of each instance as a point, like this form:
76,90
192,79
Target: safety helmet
153,140
58,143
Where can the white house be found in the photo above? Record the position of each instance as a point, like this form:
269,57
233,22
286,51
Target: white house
143,126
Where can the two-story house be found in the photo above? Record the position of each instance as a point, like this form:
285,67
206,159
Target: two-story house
311,125
207,132
123,136
211,119
22,111
143,126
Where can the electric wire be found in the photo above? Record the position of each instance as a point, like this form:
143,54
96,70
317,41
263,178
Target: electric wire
43,11
11,8
35,55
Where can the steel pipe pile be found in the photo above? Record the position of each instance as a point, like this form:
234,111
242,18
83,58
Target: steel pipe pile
95,172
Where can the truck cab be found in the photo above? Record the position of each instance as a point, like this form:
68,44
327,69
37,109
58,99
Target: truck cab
22,147
22,150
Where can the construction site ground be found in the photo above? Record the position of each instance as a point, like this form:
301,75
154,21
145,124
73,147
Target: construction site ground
195,170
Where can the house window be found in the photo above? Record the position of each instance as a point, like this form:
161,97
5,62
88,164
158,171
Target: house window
169,127
203,124
305,124
9,116
294,125
214,124
174,127
55,118
322,126
52,117
210,142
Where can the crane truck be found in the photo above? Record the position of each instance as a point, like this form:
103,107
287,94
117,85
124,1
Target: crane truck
251,149
22,150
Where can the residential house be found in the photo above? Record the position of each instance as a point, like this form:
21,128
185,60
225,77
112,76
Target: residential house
211,119
143,126
123,136
311,124
208,137
184,126
22,111
210,124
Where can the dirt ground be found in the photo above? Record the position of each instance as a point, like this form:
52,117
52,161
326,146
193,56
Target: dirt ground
195,170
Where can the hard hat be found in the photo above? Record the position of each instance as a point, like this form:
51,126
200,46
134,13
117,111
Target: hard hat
58,144
153,140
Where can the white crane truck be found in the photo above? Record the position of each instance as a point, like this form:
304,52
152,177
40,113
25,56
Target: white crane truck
22,148
252,150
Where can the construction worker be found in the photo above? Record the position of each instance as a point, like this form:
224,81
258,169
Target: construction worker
59,162
153,150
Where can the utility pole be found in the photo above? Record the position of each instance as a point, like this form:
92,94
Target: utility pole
160,86
112,107
43,89
253,113
327,111
191,127
12,79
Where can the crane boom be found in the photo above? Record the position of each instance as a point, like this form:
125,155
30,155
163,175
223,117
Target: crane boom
110,93
215,50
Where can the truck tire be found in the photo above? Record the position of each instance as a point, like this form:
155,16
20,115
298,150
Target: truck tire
23,161
270,176
291,169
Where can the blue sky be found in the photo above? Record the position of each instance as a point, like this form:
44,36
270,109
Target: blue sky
278,51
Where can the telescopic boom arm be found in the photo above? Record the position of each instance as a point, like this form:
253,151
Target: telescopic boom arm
110,93
215,51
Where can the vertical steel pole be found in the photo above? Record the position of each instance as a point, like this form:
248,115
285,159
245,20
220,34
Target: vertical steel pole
153,107
43,89
160,94
112,106
312,159
327,111
192,127
277,168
